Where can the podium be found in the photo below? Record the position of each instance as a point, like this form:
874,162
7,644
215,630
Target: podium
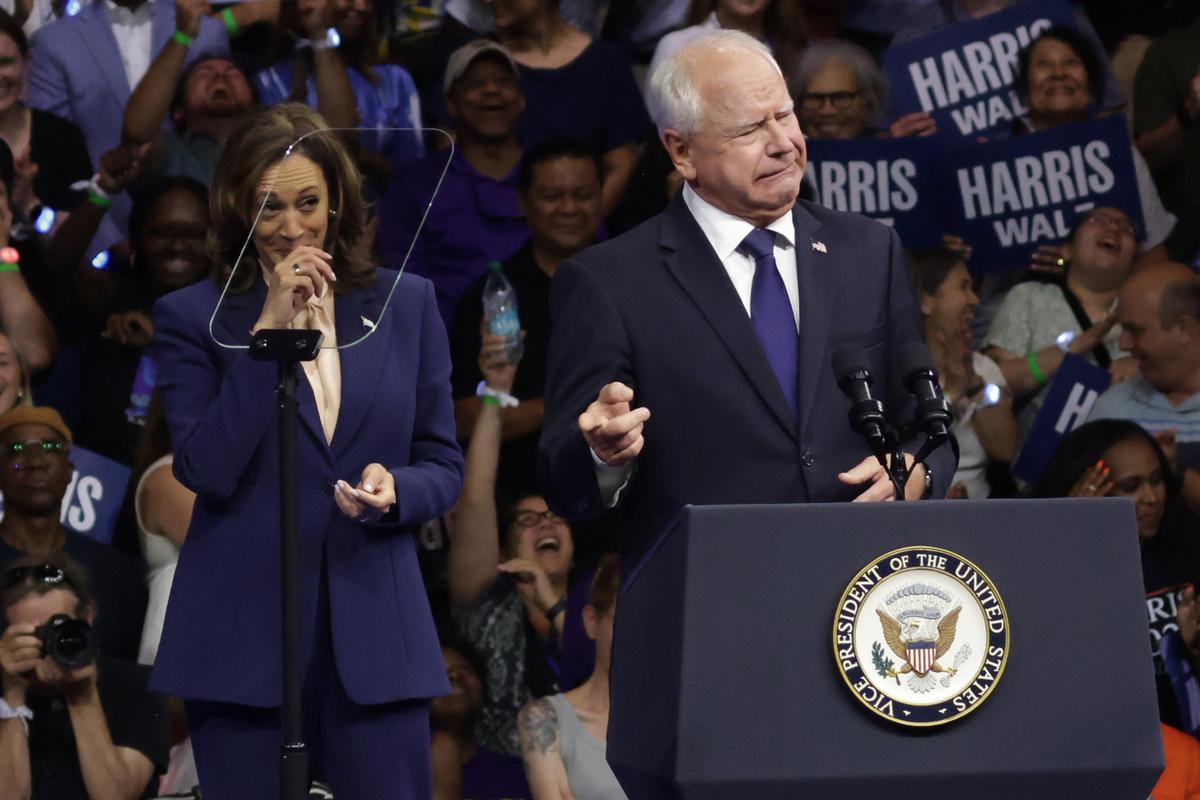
725,685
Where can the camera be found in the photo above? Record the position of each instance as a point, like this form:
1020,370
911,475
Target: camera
72,643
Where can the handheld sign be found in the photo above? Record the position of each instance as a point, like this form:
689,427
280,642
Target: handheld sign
1074,390
963,75
94,496
1007,198
889,180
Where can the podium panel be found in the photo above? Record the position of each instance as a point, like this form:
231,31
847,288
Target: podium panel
725,686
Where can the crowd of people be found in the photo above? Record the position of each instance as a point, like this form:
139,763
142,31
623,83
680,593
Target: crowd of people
153,152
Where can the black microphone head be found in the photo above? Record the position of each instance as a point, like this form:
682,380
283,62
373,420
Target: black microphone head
848,359
914,362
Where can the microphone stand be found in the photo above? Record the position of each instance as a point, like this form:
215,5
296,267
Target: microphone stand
288,348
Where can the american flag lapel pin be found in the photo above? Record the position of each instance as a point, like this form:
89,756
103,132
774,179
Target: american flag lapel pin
819,247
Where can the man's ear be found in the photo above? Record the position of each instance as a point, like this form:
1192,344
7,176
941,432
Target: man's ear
679,148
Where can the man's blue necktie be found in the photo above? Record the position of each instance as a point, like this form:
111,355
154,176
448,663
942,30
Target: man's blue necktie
771,312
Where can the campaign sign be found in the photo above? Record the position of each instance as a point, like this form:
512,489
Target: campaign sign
889,180
94,495
1073,392
1006,198
963,75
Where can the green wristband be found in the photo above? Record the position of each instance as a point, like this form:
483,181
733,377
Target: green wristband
489,400
182,38
98,200
230,23
8,266
1035,370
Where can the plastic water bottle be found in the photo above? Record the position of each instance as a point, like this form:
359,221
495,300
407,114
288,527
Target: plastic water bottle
500,311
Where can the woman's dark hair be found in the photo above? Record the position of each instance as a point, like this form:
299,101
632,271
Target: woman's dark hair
929,266
1078,43
606,585
1084,446
549,150
264,139
784,22
13,30
148,196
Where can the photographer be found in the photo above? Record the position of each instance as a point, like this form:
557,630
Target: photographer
72,725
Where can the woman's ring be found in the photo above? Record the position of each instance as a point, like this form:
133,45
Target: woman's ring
1091,487
296,268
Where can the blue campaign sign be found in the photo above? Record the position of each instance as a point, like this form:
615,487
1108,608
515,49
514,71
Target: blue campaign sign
963,74
890,180
1006,198
94,495
1074,391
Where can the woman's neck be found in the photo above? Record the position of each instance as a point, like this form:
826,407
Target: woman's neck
1097,302
538,34
1041,120
14,122
752,24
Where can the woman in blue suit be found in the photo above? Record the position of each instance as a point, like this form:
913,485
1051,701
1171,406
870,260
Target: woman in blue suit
377,456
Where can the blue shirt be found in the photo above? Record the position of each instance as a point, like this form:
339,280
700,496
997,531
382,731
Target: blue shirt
474,219
390,103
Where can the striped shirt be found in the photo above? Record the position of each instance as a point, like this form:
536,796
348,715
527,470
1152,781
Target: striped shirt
1137,401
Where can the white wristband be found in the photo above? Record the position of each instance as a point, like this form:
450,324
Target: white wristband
92,185
506,399
21,712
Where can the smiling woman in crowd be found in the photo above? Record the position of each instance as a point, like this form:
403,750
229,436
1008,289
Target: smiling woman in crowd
841,92
1040,321
1061,78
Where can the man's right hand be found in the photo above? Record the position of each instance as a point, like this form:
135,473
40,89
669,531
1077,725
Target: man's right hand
188,14
20,652
612,428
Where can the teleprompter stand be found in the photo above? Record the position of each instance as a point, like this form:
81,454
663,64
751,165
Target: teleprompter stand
288,348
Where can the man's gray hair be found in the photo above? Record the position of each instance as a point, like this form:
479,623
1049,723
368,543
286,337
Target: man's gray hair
871,84
672,96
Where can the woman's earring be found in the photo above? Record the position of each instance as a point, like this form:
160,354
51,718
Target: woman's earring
333,212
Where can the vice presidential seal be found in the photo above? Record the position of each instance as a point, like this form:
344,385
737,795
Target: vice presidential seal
921,636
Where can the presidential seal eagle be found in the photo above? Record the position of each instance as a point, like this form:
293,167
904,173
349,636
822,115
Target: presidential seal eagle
920,632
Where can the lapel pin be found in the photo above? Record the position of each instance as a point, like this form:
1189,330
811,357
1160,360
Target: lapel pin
368,323
819,247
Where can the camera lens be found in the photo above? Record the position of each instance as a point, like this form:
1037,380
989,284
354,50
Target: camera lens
70,642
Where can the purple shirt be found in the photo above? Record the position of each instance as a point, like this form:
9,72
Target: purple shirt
474,219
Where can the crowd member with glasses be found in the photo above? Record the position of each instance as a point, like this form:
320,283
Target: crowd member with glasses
35,472
475,217
1041,320
510,578
841,94
78,732
779,23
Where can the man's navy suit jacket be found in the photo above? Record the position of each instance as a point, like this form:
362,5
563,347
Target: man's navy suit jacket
655,308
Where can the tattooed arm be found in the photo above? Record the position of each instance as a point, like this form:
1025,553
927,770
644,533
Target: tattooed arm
537,725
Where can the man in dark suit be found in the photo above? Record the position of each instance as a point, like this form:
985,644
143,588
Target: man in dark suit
721,315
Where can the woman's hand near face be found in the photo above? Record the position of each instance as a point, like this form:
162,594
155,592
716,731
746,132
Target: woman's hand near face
1050,258
304,273
1094,482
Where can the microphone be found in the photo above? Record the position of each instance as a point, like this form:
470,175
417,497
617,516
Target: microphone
850,366
920,380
